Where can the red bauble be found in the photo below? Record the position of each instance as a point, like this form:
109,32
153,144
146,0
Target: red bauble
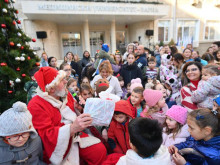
3,64
16,11
22,47
33,39
11,43
18,21
37,63
28,58
23,75
7,1
10,92
14,23
3,25
18,69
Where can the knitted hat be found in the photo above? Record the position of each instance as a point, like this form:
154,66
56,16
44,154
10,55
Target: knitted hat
105,47
217,99
48,77
16,120
177,113
152,96
135,83
101,85
123,106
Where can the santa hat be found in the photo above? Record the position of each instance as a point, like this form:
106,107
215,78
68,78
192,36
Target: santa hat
135,83
48,77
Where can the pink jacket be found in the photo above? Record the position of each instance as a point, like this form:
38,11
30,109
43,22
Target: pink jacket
180,137
160,116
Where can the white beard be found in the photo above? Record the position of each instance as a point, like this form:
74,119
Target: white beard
61,93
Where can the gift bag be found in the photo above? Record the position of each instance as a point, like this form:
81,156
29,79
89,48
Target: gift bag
100,110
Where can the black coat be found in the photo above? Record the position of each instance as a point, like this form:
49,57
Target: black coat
129,72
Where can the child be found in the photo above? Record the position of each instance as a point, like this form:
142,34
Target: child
156,107
86,91
121,81
130,49
72,86
85,80
151,70
118,136
202,147
128,88
19,141
167,93
208,87
175,130
145,142
196,57
216,102
130,70
31,86
187,53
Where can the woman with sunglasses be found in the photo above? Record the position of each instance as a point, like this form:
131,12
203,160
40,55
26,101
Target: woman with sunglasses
191,75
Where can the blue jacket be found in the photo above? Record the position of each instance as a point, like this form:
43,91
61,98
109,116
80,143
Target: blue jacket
209,149
141,61
158,59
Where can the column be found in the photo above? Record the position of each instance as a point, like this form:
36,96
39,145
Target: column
86,35
113,36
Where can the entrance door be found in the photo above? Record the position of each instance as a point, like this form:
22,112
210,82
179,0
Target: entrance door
120,41
72,43
96,39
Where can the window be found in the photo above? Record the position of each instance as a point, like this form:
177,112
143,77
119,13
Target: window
96,40
187,30
212,30
164,30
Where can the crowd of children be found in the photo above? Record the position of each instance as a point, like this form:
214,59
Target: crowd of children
151,124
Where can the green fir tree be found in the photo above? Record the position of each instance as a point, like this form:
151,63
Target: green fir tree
16,56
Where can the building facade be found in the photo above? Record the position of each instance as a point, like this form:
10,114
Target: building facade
83,25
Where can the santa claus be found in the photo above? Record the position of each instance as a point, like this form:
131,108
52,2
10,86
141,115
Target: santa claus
64,142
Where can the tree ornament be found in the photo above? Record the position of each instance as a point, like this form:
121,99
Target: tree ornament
18,69
11,83
23,75
11,43
13,22
16,11
4,10
33,39
37,64
17,58
35,53
18,21
18,45
18,80
3,25
22,47
19,34
22,58
28,58
13,1
6,1
10,92
23,54
3,64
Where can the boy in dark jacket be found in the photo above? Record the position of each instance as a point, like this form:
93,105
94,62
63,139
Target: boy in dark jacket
118,136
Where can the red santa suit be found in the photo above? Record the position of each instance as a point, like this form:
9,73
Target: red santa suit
118,133
59,146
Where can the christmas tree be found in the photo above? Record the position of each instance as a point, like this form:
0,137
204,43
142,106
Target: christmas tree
16,56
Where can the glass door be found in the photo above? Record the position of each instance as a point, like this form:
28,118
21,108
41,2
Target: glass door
71,42
96,40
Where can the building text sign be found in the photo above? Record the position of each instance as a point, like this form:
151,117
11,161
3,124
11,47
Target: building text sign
70,7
